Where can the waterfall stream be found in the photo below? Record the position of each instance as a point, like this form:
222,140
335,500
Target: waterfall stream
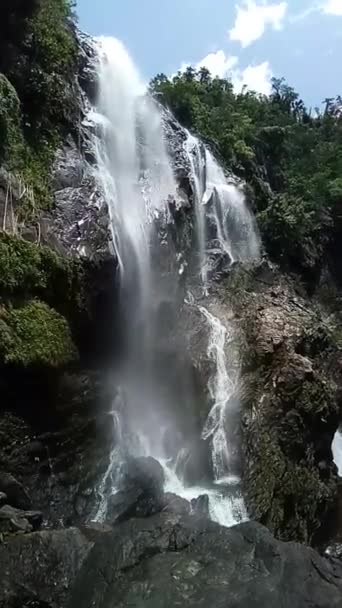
337,450
136,175
221,388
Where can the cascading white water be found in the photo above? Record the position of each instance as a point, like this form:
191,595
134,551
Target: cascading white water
337,451
225,225
134,169
221,388
196,155
112,472
137,179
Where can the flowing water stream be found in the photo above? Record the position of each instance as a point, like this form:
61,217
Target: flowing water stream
136,175
337,451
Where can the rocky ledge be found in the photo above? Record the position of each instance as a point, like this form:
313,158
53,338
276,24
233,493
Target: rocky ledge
167,560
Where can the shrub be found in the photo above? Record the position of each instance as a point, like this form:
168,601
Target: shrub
35,335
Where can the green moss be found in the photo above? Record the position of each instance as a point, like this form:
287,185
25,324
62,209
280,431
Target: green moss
35,335
27,270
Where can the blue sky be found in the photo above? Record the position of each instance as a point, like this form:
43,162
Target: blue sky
250,40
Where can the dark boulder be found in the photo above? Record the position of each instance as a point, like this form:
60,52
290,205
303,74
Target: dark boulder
200,505
176,504
38,569
141,493
170,561
165,561
135,502
17,496
144,472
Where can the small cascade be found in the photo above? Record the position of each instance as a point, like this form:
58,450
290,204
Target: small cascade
196,154
108,484
337,451
221,388
226,230
226,506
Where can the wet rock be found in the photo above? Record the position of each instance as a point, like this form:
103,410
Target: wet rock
3,499
141,493
68,168
175,504
16,520
165,560
38,569
78,224
87,65
144,472
200,505
137,502
16,494
57,444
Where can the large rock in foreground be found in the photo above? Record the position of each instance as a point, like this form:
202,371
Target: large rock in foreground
163,562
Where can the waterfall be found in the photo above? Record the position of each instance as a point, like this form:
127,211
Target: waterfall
225,225
134,170
196,155
221,388
112,472
136,175
337,451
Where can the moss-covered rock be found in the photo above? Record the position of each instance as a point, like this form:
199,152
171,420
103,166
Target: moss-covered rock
290,401
35,335
28,270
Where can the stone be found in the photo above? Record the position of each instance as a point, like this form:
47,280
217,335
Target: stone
176,504
39,569
200,505
141,493
3,498
145,472
176,561
16,494
68,168
16,520
126,504
167,560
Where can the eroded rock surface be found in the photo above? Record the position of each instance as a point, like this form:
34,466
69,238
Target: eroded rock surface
291,399
166,561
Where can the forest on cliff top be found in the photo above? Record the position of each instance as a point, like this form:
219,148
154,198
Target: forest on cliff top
289,155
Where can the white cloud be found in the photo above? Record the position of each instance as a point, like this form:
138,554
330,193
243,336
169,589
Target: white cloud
332,7
252,20
253,77
219,64
328,7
